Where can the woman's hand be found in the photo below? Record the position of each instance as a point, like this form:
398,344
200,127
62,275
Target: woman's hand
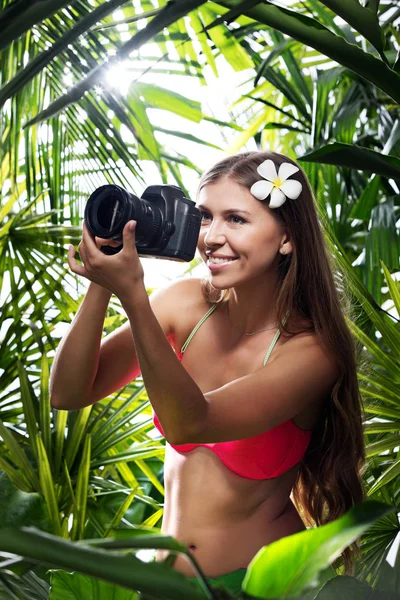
119,273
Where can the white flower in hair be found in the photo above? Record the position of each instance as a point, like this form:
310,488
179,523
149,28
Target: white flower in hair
277,184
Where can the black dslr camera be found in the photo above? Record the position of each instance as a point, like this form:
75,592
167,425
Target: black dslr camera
168,224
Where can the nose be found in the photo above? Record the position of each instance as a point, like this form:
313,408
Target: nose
214,234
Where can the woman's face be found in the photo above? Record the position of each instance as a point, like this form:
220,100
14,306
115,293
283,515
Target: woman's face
235,225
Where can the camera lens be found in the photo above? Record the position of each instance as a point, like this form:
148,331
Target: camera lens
110,207
109,211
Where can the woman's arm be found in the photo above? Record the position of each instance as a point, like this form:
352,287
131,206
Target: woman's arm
76,361
176,398
87,367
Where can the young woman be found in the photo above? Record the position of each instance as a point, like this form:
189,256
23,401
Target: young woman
251,372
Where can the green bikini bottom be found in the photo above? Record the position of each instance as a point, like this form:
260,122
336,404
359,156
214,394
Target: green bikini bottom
231,581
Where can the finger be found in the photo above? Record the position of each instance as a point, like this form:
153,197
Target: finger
128,236
73,265
88,239
83,253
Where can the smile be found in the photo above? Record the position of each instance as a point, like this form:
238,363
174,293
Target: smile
219,263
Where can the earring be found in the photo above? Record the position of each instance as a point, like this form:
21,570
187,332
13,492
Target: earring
283,250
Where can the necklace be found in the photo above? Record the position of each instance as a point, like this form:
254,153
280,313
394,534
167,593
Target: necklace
253,332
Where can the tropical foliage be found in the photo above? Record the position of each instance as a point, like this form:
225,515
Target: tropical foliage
315,86
296,566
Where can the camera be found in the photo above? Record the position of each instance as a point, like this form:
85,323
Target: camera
168,223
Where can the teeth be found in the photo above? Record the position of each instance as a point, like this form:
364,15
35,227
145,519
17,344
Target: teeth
220,261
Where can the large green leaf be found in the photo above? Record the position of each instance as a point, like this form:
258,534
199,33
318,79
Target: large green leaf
314,34
18,508
120,568
70,586
363,19
350,588
290,565
355,157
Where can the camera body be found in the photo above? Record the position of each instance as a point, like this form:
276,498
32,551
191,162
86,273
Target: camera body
168,223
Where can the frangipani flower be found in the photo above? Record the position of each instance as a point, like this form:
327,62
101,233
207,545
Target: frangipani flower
277,184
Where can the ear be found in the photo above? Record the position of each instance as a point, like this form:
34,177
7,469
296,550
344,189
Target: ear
286,243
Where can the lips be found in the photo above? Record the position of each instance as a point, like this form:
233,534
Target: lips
220,261
220,256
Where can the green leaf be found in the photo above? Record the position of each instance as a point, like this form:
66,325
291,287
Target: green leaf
140,451
293,65
368,199
70,586
81,495
203,40
348,588
76,433
47,485
171,13
21,509
360,18
17,478
44,406
244,137
386,476
226,43
120,568
18,17
314,34
355,157
394,287
388,361
388,578
18,456
158,97
37,64
60,427
28,404
292,564
119,515
147,146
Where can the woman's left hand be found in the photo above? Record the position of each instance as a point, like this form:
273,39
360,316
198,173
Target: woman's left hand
119,273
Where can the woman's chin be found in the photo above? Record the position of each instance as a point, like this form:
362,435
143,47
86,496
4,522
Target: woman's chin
219,284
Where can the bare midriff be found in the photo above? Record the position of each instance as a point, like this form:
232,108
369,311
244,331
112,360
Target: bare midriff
223,518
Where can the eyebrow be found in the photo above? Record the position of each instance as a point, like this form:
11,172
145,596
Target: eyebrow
227,212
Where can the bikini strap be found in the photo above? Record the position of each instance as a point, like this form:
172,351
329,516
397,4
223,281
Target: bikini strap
209,312
276,337
199,324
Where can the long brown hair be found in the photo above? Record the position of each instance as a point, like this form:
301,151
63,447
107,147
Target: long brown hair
329,480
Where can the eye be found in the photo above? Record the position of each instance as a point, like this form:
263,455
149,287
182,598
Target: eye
239,219
205,216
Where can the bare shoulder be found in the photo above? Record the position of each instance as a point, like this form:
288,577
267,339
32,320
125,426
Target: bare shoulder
181,293
179,301
307,343
317,363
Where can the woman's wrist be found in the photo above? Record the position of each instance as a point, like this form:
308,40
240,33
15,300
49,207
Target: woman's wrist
100,291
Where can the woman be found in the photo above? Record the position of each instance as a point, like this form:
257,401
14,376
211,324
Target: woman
251,373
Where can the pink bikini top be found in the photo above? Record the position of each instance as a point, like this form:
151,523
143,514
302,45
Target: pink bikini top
262,456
